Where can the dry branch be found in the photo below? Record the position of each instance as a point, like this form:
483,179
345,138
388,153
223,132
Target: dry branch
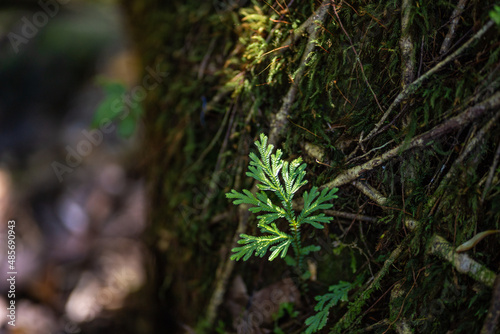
371,192
225,271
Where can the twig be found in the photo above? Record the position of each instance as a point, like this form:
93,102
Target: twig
280,119
352,216
214,181
380,199
411,88
491,173
358,60
277,26
353,160
371,192
471,145
210,145
452,124
406,45
351,317
204,62
226,268
421,57
491,321
453,25
463,263
319,15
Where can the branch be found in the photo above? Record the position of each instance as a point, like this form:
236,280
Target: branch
308,25
353,216
280,120
471,145
410,89
225,269
463,263
406,45
491,173
371,192
358,60
453,25
452,124
380,199
351,317
491,321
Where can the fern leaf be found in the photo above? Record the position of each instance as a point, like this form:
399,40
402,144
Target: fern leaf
260,201
282,248
259,245
325,303
266,169
243,198
257,170
293,176
316,220
308,249
316,322
265,204
316,201
269,218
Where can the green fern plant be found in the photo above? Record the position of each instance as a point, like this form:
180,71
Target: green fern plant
325,303
283,179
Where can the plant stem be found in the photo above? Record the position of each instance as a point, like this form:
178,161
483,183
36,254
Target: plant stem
296,244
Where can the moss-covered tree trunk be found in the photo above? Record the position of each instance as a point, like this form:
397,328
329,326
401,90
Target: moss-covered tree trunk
397,103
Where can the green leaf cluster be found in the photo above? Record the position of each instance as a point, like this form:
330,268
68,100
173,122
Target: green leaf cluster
325,303
495,14
114,108
283,179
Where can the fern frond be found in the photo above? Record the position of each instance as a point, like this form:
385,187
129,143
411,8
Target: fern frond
243,198
279,241
316,220
325,303
269,218
293,176
316,201
267,169
260,201
309,249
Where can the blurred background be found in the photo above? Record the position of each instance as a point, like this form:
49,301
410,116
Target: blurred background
69,168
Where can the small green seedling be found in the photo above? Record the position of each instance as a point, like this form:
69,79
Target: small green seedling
283,179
